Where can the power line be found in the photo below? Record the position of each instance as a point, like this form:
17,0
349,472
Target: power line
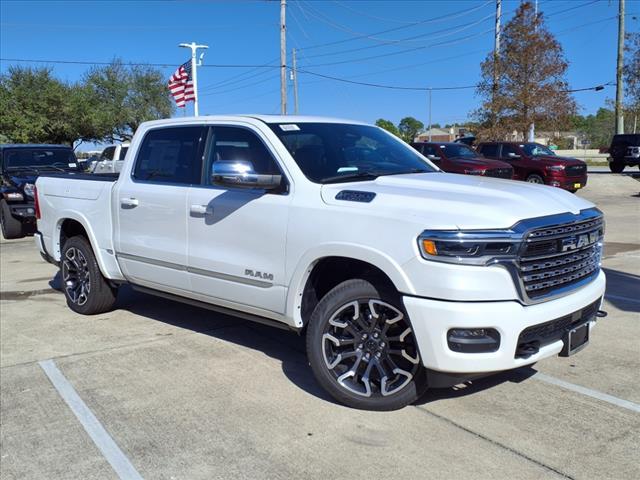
360,36
140,64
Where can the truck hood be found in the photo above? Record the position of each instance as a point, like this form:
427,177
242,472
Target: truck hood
449,201
479,162
555,160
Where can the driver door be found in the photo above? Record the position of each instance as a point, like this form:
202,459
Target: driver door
237,236
512,155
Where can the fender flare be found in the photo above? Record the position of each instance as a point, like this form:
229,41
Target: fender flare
106,262
363,253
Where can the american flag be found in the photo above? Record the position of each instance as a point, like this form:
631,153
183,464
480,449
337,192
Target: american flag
181,85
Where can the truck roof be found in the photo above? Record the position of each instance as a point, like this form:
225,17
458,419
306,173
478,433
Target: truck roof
259,117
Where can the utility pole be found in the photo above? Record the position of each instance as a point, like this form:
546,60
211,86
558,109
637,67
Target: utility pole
619,67
294,77
195,63
430,89
496,55
283,57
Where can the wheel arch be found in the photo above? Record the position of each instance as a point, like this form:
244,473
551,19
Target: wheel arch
316,273
73,224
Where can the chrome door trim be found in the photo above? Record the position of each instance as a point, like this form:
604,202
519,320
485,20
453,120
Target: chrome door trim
196,271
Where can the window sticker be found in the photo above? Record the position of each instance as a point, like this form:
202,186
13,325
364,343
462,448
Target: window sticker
290,127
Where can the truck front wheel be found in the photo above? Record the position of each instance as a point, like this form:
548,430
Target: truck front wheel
617,166
11,227
362,349
86,290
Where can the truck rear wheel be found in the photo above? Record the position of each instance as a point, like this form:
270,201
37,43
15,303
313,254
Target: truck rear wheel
11,227
86,290
362,349
616,166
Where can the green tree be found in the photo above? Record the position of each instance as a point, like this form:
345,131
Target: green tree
121,97
632,80
409,128
531,85
597,129
36,107
388,126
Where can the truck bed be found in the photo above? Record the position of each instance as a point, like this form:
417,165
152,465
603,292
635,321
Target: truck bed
95,177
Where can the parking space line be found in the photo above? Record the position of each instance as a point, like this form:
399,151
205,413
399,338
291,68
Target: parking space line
620,297
116,458
634,407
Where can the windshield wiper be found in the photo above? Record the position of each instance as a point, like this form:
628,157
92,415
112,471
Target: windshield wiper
53,166
351,176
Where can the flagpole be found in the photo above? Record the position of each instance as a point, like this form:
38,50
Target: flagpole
194,75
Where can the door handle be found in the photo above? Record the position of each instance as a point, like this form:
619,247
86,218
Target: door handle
201,209
128,202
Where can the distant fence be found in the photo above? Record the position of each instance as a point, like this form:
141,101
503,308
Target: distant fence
593,155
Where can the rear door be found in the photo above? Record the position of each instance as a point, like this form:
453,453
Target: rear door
237,236
151,205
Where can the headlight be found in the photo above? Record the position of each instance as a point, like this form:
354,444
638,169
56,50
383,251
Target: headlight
13,196
555,168
29,189
469,247
475,172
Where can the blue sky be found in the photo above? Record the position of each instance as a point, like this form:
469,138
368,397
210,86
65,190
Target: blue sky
444,52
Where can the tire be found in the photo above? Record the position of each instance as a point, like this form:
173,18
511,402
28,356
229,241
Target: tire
616,166
11,227
86,290
535,178
351,356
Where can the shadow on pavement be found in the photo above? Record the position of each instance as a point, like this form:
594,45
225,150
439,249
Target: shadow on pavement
621,285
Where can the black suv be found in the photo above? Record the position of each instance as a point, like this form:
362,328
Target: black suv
624,150
20,165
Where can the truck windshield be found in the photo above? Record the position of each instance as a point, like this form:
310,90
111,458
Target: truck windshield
452,150
38,158
337,152
536,149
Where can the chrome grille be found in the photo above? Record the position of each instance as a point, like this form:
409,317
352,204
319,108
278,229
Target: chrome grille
560,256
575,170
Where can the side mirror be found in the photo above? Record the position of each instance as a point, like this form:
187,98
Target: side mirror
240,173
434,158
513,155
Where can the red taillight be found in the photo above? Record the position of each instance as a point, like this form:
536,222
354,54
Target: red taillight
36,203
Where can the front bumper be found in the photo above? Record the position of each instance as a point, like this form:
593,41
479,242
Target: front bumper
23,211
568,183
432,319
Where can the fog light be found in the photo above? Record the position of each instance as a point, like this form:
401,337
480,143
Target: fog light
30,210
553,183
473,340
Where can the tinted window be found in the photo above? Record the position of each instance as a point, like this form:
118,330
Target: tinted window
234,143
429,150
452,150
508,151
40,158
536,149
335,152
123,152
489,150
170,155
107,153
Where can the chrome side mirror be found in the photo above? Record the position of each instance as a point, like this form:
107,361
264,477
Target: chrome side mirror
513,155
433,158
241,174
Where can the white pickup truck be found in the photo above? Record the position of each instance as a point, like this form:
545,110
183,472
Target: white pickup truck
402,276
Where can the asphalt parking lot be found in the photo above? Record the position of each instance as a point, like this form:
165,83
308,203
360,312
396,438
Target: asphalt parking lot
184,393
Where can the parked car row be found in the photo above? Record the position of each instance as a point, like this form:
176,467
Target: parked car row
528,161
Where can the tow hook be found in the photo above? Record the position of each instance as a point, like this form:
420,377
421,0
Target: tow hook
601,314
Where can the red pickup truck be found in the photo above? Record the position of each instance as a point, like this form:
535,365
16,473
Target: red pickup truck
535,163
459,158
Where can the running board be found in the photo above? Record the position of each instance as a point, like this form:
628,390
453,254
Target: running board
216,308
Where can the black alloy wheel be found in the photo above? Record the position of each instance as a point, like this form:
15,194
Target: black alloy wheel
362,348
